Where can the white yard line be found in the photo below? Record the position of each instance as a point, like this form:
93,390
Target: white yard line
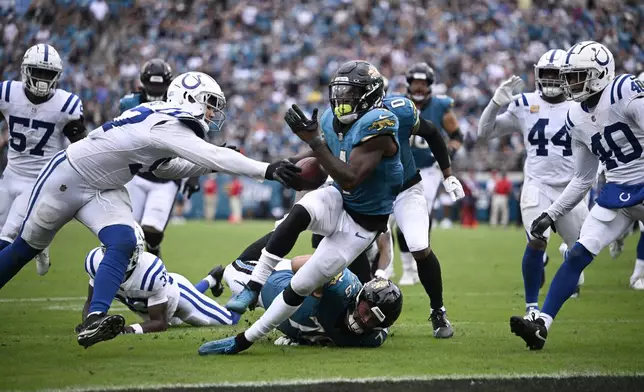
42,299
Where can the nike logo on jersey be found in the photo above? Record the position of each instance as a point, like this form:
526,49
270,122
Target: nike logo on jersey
359,236
383,116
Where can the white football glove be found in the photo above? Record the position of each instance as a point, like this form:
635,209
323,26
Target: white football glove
503,94
285,341
381,274
453,186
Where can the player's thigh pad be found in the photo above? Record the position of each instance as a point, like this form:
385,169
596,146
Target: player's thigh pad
432,178
196,308
235,279
325,207
106,208
603,226
412,216
138,190
569,225
533,202
158,205
59,192
336,251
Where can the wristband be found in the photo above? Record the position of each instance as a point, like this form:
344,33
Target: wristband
316,143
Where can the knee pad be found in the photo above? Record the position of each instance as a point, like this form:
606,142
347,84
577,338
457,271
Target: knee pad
153,237
118,238
579,257
402,244
292,298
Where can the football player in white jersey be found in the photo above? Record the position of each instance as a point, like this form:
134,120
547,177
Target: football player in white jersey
87,180
606,124
549,165
160,298
42,121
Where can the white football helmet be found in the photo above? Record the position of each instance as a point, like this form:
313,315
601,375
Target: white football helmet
587,69
201,96
641,76
41,68
138,251
546,73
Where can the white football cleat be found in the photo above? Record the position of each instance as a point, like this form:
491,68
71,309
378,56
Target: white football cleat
563,249
615,248
637,282
42,262
532,313
408,279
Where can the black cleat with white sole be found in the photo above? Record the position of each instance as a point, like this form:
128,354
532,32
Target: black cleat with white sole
99,327
533,333
217,274
441,326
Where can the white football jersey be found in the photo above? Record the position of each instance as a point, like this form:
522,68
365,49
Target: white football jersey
548,144
145,137
148,284
35,131
612,130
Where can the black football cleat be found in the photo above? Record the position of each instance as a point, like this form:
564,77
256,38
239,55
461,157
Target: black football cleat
533,333
99,327
218,275
441,326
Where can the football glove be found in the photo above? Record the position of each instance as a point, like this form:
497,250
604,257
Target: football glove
234,148
191,186
283,172
503,94
454,188
298,122
540,225
285,341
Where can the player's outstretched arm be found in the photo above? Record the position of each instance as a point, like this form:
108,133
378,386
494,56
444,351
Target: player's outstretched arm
158,321
586,164
430,132
491,125
385,247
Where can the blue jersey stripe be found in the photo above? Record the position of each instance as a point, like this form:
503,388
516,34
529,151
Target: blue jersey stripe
69,100
569,121
8,92
46,52
89,265
612,91
516,102
154,277
74,105
40,181
619,86
199,297
525,100
1,86
145,276
202,310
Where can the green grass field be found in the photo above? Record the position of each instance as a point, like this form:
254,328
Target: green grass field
599,333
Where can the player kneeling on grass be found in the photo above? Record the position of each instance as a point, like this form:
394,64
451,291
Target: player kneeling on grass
343,312
160,298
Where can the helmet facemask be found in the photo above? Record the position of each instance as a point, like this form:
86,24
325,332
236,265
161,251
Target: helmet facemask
350,101
548,81
40,81
418,94
577,82
364,317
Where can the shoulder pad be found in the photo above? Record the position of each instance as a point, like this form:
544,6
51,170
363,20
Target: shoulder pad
447,101
625,87
569,122
195,125
378,120
403,108
73,105
5,90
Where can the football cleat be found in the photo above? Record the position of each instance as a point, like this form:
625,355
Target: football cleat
440,324
533,333
532,313
247,299
637,282
226,346
409,279
615,248
99,327
217,274
42,262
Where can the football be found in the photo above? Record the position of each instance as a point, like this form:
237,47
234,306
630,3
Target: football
312,175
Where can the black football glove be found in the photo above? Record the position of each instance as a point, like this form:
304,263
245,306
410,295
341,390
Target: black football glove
191,186
297,121
540,225
234,148
283,172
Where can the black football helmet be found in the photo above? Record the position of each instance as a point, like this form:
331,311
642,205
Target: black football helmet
156,76
356,88
378,305
420,71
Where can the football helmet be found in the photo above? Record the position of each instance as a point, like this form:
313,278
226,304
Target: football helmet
420,71
156,76
41,69
201,96
138,251
587,69
378,305
356,88
641,76
546,73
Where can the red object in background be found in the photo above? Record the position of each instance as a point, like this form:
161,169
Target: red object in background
503,186
210,186
235,188
468,208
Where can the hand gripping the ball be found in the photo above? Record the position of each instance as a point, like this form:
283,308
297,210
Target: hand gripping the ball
284,172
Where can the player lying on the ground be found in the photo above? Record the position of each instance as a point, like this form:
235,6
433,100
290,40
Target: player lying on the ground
160,298
343,312
607,125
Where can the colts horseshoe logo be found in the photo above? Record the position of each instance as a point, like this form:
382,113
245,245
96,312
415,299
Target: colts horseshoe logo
624,199
597,52
197,79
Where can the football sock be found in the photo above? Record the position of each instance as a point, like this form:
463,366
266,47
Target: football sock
13,258
282,307
532,268
120,242
429,272
565,281
205,284
4,244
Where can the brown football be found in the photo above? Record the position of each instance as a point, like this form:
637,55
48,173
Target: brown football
312,175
